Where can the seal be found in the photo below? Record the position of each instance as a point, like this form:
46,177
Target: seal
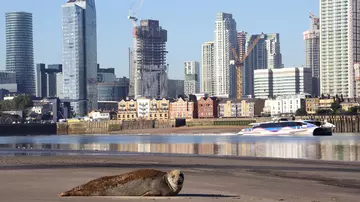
142,182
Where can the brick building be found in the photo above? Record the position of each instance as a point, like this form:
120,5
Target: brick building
207,107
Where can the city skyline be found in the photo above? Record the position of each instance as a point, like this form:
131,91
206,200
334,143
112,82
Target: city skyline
183,45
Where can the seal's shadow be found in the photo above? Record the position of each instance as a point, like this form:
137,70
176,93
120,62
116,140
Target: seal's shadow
205,195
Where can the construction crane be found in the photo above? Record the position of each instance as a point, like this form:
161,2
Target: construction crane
239,62
311,15
315,21
133,15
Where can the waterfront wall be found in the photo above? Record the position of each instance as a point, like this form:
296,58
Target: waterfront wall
118,125
27,129
343,123
109,126
222,122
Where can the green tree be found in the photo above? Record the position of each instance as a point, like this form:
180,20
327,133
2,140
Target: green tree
300,112
352,111
335,106
324,111
20,102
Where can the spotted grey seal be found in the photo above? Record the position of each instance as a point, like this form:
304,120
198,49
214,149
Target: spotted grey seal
142,182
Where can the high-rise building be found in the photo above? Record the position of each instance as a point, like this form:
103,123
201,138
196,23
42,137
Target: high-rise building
255,60
46,79
270,83
113,90
105,75
265,55
7,77
79,52
272,46
7,82
60,85
109,87
176,88
241,40
312,52
51,75
207,68
225,38
41,80
192,73
20,51
339,46
151,71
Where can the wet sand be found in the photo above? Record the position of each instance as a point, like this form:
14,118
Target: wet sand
206,178
184,130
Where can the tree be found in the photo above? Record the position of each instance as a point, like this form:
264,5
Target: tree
300,112
324,111
335,106
20,103
352,110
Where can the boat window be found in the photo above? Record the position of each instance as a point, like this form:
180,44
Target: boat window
317,123
277,125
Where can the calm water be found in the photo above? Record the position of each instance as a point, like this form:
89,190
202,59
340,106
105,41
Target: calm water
343,147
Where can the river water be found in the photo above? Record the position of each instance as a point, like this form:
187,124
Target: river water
339,147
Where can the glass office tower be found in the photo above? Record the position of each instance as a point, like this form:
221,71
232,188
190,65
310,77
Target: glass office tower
19,50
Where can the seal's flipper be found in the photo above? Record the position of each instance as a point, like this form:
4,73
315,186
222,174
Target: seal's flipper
64,194
150,193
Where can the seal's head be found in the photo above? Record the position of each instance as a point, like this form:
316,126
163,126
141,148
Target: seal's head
175,179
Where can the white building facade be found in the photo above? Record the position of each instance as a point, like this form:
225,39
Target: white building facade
192,77
207,68
143,110
79,55
59,85
339,46
225,38
270,83
357,78
288,104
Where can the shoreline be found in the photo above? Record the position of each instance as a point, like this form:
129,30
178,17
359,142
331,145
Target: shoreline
183,130
206,178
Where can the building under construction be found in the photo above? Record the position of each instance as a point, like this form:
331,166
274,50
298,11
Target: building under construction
150,71
312,51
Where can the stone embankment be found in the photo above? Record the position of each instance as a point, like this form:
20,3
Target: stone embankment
344,124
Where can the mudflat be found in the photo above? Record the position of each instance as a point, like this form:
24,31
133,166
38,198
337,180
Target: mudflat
30,178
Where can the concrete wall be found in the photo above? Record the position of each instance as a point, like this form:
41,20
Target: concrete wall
109,126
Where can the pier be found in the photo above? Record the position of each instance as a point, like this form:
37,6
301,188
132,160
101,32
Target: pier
343,123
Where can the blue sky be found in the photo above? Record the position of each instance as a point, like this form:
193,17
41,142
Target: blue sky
190,23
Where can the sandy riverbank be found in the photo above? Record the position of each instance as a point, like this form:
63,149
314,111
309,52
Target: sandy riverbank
206,178
185,130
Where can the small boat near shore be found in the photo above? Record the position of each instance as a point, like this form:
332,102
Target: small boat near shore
289,128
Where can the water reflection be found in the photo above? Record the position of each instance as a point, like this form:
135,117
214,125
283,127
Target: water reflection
344,148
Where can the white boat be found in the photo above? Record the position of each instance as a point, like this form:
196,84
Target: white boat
288,128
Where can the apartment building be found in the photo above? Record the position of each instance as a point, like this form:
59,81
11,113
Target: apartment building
269,83
127,110
182,109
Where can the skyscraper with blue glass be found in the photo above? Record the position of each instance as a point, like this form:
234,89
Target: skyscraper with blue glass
79,55
20,51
